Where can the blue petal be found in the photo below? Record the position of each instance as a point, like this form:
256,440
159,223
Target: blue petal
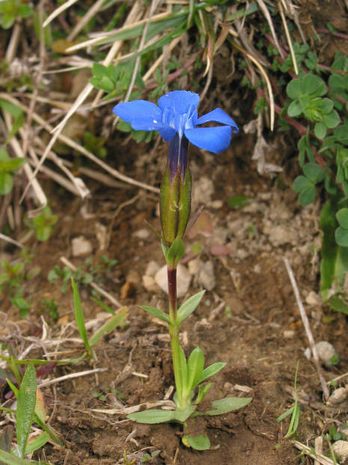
218,116
167,133
141,115
213,139
179,101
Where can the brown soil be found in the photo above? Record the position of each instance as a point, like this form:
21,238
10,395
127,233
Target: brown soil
249,320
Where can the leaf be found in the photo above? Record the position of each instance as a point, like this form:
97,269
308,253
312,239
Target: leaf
26,401
152,416
342,217
175,252
301,183
228,404
337,304
294,109
196,442
117,320
80,318
211,371
237,201
188,307
341,236
6,183
320,130
195,366
313,172
37,442
331,120
156,312
307,196
10,459
203,390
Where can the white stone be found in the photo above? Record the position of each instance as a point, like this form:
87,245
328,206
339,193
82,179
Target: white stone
313,299
206,276
326,352
152,268
183,280
289,333
341,450
338,396
194,266
149,283
80,246
142,234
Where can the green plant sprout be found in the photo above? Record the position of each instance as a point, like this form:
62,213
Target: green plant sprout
176,119
29,410
294,412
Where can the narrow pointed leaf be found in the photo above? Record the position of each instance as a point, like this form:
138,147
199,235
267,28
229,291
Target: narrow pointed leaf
152,416
195,367
211,371
26,401
10,459
228,404
38,442
117,320
156,312
188,307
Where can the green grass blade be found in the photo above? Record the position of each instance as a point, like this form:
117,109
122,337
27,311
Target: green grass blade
10,459
26,401
80,318
38,442
117,320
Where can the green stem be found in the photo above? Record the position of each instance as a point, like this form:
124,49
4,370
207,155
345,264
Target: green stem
178,358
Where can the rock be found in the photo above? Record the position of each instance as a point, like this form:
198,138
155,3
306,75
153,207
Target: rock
183,280
327,353
280,235
194,266
149,283
343,429
288,333
101,233
206,276
152,268
338,396
341,450
142,234
313,299
216,204
80,246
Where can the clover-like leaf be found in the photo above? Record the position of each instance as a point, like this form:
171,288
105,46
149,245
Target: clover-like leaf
342,217
313,172
320,130
307,196
332,119
294,109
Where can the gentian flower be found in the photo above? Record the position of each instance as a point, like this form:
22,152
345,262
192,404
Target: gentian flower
176,115
177,121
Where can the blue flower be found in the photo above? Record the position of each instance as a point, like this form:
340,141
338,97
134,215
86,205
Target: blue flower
176,114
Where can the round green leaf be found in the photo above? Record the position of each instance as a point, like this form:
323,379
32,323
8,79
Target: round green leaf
294,89
332,119
307,196
313,172
301,183
197,442
313,85
320,130
341,236
342,217
295,109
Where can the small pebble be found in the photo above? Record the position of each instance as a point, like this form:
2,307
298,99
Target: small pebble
289,333
152,268
341,450
313,299
149,283
80,246
142,234
338,396
327,353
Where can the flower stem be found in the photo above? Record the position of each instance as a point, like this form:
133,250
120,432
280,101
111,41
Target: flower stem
178,356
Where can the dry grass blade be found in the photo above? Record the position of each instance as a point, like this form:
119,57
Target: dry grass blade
322,459
267,15
288,38
10,240
266,79
71,376
85,19
58,11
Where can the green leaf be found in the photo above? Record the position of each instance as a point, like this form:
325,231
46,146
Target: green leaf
152,416
342,217
175,252
117,320
301,183
211,371
332,119
38,442
181,415
10,459
26,401
294,109
337,304
307,196
188,307
195,367
320,130
228,404
237,201
313,172
196,442
156,312
203,390
80,317
6,183
341,236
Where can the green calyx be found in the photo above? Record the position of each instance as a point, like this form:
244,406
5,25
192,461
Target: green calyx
175,205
